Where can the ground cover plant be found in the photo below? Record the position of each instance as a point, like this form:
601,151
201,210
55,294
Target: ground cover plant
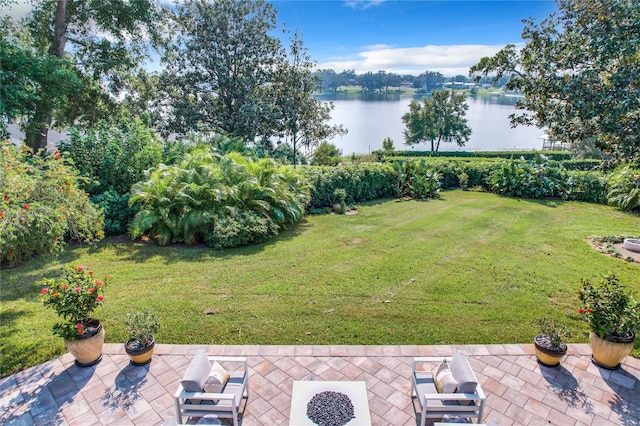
470,267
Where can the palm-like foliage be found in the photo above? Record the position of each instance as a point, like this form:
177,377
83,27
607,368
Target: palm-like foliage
624,189
220,200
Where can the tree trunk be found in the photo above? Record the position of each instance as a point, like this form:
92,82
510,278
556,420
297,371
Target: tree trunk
37,128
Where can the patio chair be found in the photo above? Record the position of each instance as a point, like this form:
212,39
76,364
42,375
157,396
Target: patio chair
208,390
451,389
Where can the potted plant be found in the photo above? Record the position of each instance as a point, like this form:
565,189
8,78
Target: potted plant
142,326
550,348
613,316
74,298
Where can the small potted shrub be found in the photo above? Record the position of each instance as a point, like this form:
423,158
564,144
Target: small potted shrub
74,297
141,327
550,348
613,316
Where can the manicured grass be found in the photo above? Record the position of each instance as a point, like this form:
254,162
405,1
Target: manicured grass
471,267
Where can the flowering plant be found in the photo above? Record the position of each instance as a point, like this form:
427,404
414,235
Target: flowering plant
609,309
73,298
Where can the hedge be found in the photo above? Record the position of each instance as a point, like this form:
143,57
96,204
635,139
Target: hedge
362,182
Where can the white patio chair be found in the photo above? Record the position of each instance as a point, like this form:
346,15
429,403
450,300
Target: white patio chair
223,399
461,393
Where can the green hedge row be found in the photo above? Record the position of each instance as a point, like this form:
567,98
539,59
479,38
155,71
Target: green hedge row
370,181
527,155
362,182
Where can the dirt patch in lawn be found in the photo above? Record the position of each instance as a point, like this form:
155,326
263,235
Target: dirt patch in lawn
613,246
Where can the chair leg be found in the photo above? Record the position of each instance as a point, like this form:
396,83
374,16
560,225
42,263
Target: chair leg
178,415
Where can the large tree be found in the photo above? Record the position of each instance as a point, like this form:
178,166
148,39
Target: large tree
303,119
77,52
222,67
439,118
230,74
579,74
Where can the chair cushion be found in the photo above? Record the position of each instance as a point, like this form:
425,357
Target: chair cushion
462,372
443,379
218,377
197,373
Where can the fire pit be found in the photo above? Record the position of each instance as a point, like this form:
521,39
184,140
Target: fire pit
329,404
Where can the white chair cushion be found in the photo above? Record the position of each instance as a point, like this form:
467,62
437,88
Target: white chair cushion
218,377
443,379
197,373
462,372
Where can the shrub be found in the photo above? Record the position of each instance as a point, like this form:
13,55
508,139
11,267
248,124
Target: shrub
624,188
117,212
362,182
463,178
224,201
587,186
42,206
527,179
326,154
113,158
416,180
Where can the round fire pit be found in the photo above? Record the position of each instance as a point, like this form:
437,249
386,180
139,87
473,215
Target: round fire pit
330,408
632,244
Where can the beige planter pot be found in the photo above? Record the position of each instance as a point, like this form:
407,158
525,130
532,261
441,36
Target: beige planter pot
547,357
87,351
141,356
608,354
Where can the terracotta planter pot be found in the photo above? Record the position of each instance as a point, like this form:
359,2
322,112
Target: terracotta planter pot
141,356
87,350
607,354
546,356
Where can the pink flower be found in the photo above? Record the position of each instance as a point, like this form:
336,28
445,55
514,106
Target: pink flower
98,283
90,290
44,291
80,268
64,286
80,328
100,298
78,289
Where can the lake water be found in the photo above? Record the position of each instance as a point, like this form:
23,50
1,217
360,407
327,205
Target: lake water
371,120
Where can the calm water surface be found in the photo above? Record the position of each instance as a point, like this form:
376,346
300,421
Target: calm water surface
371,120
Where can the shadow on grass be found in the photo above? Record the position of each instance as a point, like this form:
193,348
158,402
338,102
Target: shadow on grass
141,252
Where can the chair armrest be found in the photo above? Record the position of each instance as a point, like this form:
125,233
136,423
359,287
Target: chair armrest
205,395
429,359
453,396
231,359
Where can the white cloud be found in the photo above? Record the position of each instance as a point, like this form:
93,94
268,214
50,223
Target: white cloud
448,60
363,4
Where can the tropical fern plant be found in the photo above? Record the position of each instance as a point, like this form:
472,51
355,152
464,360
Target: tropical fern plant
624,188
223,201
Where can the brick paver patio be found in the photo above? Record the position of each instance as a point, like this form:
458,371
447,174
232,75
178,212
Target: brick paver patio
519,391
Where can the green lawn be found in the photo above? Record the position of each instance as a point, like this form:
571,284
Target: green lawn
471,267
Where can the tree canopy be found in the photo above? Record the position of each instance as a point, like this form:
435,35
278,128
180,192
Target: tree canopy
229,74
108,40
579,74
440,118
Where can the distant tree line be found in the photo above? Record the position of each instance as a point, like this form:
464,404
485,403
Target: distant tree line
381,82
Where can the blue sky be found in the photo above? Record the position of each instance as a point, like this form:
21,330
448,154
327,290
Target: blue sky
408,36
